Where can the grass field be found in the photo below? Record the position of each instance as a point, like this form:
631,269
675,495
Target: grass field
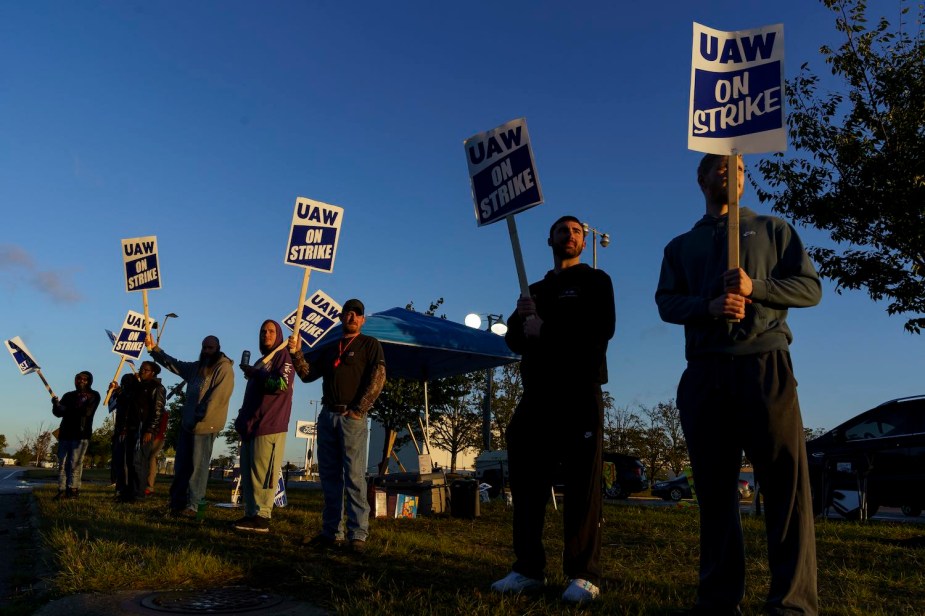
440,565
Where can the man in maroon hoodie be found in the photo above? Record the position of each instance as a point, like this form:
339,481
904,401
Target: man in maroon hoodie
262,423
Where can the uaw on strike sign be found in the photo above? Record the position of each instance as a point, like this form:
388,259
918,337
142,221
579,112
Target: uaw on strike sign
319,314
313,237
737,90
139,254
131,339
502,172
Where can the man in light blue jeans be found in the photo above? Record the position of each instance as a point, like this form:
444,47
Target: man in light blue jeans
354,373
209,383
76,410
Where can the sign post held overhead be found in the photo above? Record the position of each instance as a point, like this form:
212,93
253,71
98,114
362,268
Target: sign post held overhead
142,271
24,360
502,174
737,103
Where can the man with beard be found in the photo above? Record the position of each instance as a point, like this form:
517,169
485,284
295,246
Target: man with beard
76,410
354,373
139,406
209,383
263,422
739,376
561,331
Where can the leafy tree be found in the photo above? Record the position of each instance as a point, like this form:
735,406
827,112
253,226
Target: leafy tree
175,415
457,423
35,445
667,417
623,429
99,451
652,447
859,171
232,439
507,390
3,444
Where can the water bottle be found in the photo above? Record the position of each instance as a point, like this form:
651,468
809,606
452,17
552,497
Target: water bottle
201,510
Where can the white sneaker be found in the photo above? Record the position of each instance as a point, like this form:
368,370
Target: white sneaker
514,582
581,591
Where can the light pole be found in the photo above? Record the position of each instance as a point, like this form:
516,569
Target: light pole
164,326
605,240
497,326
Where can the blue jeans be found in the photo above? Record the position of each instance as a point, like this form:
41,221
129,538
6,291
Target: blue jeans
191,469
342,448
71,463
261,458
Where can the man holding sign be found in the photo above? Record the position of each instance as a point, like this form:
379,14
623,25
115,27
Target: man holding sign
209,383
561,332
76,410
739,380
354,373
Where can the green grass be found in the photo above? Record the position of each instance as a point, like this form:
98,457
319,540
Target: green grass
442,565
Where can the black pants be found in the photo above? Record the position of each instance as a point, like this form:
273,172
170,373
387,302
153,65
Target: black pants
730,404
559,434
123,462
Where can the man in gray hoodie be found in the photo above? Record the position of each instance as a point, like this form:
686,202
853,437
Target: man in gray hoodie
209,383
739,382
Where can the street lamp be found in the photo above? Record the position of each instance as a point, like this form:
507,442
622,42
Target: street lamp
605,240
497,326
160,332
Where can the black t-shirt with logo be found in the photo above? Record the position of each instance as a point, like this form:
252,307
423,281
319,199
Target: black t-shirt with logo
347,367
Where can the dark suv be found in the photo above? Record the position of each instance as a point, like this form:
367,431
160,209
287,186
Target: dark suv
875,459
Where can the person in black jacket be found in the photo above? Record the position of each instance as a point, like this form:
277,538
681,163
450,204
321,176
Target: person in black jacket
76,410
139,404
561,332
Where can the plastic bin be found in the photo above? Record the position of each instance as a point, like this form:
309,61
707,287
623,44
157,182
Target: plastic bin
464,498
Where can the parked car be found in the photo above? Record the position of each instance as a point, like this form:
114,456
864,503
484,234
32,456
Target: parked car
623,474
679,487
883,448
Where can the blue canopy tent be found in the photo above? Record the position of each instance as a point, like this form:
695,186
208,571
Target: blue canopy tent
422,347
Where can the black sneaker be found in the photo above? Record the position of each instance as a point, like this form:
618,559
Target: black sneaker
322,542
255,524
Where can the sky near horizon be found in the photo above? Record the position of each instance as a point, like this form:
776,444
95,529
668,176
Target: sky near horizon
200,123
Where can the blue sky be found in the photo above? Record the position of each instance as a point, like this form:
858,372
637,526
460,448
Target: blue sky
202,122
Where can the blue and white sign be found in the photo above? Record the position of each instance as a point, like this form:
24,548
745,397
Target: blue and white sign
139,254
21,355
313,238
131,339
737,91
319,314
502,172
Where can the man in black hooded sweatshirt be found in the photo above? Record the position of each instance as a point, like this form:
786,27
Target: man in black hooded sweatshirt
561,332
76,410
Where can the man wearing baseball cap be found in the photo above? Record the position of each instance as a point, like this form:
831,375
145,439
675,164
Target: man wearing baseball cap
353,373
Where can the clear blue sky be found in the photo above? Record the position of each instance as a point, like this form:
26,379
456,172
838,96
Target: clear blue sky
201,122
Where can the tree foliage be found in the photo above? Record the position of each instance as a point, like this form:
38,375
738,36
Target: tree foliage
507,390
175,411
456,424
3,443
99,450
859,170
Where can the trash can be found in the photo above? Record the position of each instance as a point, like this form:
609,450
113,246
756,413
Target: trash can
464,498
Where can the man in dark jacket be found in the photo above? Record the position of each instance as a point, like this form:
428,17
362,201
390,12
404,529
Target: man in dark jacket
139,406
739,379
209,383
263,422
354,373
561,332
76,410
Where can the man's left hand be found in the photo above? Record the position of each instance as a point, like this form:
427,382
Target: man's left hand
355,415
532,327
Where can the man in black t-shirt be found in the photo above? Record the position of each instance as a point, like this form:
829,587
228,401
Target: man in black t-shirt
353,373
